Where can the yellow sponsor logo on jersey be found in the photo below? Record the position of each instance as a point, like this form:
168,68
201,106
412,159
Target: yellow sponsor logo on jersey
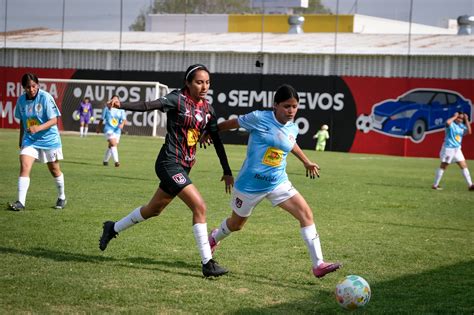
32,122
114,122
193,137
458,138
272,157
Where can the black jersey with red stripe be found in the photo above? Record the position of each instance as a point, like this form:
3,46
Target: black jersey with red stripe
186,121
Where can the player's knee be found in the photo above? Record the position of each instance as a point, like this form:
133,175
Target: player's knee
199,209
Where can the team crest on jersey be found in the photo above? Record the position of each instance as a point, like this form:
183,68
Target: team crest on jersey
238,202
291,138
179,178
38,108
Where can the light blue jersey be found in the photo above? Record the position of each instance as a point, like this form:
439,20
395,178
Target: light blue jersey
454,134
36,112
269,143
112,118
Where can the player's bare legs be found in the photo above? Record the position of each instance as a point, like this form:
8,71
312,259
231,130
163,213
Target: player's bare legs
299,208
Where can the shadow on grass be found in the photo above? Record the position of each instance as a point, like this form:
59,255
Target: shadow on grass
405,186
154,179
82,163
138,262
424,227
445,290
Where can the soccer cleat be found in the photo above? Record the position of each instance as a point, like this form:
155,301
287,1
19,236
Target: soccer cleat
16,206
325,268
105,163
212,269
117,164
471,188
60,203
436,187
107,234
212,241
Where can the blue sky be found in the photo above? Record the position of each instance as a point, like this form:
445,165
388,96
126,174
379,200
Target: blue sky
106,14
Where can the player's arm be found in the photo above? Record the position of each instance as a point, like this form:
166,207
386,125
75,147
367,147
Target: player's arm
228,124
450,120
312,169
123,124
22,131
140,106
100,125
37,128
221,154
206,139
468,124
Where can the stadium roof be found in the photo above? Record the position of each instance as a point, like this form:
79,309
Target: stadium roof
309,43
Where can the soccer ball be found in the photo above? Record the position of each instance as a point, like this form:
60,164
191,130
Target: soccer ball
352,292
364,123
92,119
75,115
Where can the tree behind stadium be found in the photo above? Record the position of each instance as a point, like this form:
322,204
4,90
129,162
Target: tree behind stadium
212,7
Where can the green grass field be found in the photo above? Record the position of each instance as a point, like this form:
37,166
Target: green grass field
376,214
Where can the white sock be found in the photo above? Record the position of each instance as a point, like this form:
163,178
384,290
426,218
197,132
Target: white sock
467,176
202,241
222,232
23,184
131,219
439,173
311,238
114,153
108,154
60,186
82,131
86,129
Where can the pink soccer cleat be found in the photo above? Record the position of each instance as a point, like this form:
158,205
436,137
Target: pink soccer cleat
212,241
325,268
436,187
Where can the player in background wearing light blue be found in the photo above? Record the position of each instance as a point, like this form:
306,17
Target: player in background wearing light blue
263,174
456,128
113,120
39,138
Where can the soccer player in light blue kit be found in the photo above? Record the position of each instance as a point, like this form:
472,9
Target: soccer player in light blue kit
456,128
39,138
113,120
263,174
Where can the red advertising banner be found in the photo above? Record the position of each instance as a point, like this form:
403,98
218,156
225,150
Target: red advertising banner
394,116
11,89
421,107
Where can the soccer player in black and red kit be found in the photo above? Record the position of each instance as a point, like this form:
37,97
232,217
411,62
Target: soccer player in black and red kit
188,116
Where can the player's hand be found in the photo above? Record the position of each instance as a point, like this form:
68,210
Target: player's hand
229,183
114,103
312,170
205,139
33,129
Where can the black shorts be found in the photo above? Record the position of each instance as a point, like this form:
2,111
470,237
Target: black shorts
173,177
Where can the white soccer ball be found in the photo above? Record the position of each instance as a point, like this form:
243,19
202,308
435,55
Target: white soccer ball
364,123
352,292
75,115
